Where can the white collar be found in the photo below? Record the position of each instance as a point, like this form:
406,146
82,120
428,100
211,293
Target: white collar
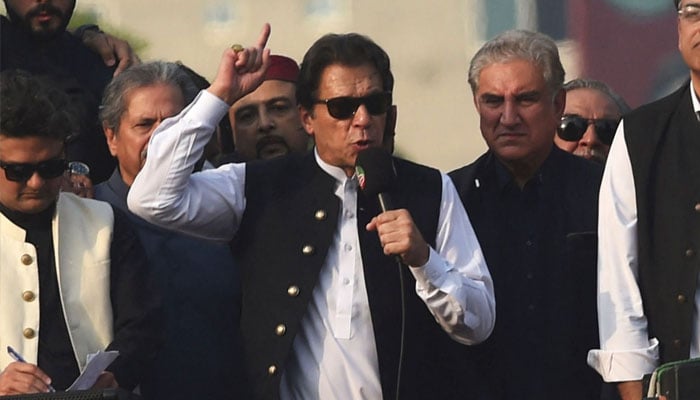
696,101
336,172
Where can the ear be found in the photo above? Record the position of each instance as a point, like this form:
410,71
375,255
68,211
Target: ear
560,103
232,118
111,139
391,115
307,119
390,129
232,124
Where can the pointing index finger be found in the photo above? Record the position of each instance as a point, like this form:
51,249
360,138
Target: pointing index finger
264,36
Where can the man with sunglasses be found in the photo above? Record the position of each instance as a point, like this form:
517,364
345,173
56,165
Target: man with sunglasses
322,309
533,207
590,118
649,267
73,280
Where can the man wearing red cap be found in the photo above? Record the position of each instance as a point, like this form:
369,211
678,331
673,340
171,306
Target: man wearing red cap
266,122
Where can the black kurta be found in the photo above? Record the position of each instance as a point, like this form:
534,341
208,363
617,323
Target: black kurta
540,247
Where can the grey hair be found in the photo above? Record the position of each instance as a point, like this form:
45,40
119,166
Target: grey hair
584,83
512,45
148,74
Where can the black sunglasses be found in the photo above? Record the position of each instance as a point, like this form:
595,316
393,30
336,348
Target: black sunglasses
345,107
46,169
572,127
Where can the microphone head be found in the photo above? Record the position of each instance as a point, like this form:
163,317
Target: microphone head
375,171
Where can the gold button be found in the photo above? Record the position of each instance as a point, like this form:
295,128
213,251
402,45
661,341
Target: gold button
689,253
28,295
308,250
681,299
320,215
697,207
29,333
26,259
272,369
293,291
280,330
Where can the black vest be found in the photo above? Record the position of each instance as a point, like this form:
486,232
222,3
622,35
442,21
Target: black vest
663,141
290,219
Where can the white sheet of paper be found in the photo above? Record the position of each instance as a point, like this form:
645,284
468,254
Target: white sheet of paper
96,364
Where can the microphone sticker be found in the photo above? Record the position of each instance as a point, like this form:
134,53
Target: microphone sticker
361,178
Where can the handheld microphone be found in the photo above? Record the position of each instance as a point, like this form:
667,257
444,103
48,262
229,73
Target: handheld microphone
376,175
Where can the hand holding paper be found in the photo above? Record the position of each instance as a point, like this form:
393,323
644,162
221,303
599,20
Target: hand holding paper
96,364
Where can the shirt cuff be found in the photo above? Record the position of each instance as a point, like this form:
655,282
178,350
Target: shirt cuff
625,365
433,272
207,107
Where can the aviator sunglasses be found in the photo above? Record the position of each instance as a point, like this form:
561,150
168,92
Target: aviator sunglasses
572,127
46,169
345,107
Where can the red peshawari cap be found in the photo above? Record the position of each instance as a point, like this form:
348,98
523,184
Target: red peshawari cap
282,69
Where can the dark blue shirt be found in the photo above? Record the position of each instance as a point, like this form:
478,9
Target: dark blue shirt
539,244
201,356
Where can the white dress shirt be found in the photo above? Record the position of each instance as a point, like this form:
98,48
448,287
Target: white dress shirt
627,353
334,354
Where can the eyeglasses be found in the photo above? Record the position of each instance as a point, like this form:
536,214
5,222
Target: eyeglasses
690,12
572,128
345,107
46,169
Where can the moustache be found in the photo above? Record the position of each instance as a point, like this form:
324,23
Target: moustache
269,140
45,8
592,154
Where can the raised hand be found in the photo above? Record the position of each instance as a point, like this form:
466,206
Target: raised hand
241,70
